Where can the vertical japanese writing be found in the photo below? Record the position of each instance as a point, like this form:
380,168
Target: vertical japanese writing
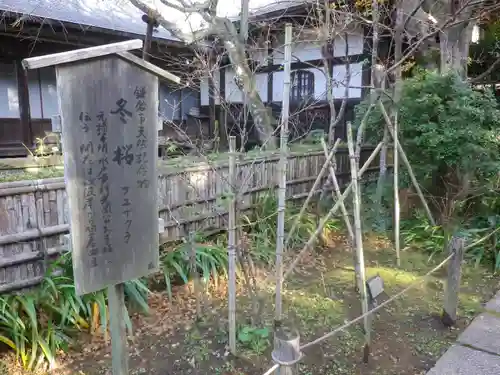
141,156
126,213
121,111
84,121
103,178
86,152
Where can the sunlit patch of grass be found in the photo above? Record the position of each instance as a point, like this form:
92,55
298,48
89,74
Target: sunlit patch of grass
314,310
470,305
392,277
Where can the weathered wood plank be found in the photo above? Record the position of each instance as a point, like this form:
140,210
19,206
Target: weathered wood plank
116,301
110,142
81,54
147,66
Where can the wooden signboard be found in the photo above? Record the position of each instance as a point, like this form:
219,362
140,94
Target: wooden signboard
108,102
109,113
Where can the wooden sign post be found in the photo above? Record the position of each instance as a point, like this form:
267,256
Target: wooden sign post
108,101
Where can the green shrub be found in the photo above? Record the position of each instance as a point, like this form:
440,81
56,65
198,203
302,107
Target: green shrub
451,136
445,125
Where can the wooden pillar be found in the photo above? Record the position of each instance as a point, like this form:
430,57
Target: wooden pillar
151,24
24,105
449,315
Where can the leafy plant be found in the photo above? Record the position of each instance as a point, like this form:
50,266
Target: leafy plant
39,323
253,338
263,219
43,148
420,233
211,261
485,251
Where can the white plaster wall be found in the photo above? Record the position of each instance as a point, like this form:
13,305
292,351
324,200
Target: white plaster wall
339,79
9,99
355,43
310,50
301,51
319,84
234,94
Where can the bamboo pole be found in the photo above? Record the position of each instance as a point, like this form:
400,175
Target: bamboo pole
330,213
378,83
232,246
359,239
397,210
195,275
398,53
282,171
406,162
345,215
244,38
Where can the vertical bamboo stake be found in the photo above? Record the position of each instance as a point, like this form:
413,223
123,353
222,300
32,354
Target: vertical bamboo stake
318,180
244,38
378,83
194,273
345,215
402,153
232,245
280,235
397,210
398,52
359,239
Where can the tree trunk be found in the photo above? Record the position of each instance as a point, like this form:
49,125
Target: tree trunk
454,47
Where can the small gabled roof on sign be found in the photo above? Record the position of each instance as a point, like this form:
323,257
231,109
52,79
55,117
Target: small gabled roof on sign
120,49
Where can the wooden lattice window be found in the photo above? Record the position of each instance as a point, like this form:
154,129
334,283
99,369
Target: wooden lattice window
302,86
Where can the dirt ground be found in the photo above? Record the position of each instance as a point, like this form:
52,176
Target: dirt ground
407,336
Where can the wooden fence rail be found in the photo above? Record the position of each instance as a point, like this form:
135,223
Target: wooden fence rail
34,214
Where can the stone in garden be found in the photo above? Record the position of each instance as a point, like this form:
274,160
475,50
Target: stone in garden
483,334
459,360
494,304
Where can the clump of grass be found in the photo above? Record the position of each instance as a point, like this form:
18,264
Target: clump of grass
262,222
211,260
39,323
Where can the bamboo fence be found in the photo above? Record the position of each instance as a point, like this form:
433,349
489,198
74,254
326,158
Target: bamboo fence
34,213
